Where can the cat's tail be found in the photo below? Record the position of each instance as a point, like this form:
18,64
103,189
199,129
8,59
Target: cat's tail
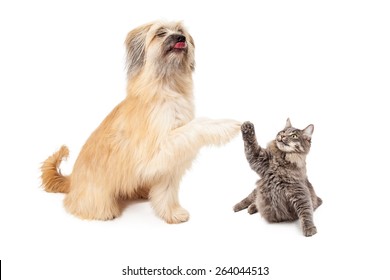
52,179
318,204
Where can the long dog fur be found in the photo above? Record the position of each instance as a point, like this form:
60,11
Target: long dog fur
146,144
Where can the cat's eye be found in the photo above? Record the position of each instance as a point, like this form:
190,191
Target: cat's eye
294,136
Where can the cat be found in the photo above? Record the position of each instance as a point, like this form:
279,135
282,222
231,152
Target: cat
283,192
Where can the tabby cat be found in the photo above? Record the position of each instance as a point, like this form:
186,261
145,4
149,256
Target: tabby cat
284,192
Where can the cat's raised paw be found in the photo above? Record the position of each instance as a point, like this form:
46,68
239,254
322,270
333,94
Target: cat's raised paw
310,231
247,129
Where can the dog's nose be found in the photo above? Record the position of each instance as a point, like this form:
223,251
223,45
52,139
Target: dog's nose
179,38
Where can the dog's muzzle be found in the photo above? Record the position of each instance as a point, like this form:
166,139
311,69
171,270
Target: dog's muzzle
176,42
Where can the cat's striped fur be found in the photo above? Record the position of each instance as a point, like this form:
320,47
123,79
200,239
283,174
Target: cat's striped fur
283,192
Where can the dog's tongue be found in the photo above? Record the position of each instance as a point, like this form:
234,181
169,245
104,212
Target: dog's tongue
180,45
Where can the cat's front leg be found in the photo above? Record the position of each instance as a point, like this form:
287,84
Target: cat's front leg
253,152
305,214
252,149
300,200
309,230
248,133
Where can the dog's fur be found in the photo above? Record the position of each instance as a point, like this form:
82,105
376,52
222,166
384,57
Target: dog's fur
144,146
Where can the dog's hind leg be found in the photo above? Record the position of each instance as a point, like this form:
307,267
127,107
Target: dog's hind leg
92,203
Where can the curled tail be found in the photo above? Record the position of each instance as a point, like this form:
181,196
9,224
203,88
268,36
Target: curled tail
52,179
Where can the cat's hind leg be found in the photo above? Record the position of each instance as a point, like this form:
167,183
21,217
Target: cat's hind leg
246,202
252,209
317,203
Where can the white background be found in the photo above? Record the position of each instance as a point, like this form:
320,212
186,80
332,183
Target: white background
320,62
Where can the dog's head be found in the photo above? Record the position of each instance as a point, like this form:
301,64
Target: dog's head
161,47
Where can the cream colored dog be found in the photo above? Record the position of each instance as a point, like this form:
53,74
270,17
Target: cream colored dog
146,144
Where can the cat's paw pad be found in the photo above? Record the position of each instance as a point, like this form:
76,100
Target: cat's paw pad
310,231
247,129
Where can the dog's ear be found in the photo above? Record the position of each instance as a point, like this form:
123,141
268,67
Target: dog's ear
135,46
191,41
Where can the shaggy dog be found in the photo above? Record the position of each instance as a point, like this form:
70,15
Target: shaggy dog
145,145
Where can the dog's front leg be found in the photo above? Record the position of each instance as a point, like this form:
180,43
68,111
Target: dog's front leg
175,156
203,132
164,198
183,143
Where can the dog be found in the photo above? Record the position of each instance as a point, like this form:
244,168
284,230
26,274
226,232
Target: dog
144,146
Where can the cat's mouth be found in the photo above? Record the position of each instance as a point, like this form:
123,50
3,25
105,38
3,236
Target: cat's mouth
284,147
280,144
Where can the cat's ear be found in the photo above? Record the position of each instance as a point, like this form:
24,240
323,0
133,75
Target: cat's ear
288,124
308,132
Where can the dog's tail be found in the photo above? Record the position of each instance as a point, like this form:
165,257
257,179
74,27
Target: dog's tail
52,179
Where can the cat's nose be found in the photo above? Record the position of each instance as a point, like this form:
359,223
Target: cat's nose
281,138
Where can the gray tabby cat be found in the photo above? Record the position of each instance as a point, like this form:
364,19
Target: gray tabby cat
284,192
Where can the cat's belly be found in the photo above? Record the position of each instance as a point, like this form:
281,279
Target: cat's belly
274,206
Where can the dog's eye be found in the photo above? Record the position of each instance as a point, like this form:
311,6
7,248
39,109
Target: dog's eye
161,34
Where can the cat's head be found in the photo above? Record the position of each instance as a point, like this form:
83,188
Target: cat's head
293,140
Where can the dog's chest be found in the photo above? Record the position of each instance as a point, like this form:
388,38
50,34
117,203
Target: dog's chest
178,111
